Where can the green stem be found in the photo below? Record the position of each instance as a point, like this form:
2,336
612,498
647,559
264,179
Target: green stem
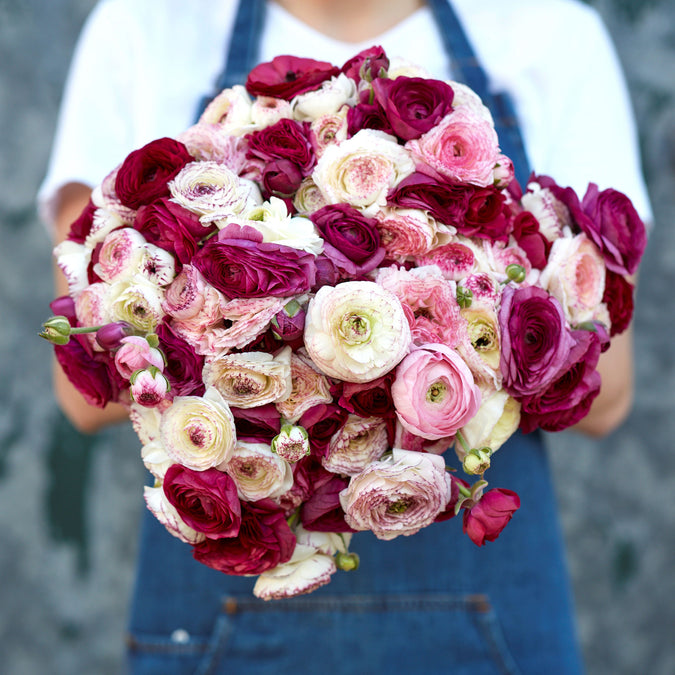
462,440
84,329
465,492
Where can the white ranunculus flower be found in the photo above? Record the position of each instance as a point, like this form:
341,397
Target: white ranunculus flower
550,212
212,191
326,100
73,260
138,302
145,422
277,226
155,459
92,306
306,571
250,379
360,441
495,422
231,110
330,129
103,223
356,331
398,495
267,110
198,431
258,472
308,197
362,170
165,512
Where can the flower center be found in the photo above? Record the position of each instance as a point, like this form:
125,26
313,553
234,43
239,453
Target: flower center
242,385
399,506
436,392
355,329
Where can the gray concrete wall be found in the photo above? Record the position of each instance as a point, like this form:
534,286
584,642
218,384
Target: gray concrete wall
69,505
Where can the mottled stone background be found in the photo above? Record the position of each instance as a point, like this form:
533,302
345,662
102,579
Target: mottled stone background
69,505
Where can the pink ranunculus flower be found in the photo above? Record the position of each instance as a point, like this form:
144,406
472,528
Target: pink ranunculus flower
398,495
136,354
434,392
120,255
329,129
207,143
485,520
356,331
360,441
463,147
575,275
406,232
149,387
190,296
429,302
309,388
455,260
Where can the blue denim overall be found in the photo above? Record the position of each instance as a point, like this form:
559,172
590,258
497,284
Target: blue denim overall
431,603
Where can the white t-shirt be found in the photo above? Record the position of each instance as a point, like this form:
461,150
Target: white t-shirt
141,66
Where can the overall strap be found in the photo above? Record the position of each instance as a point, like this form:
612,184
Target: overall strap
467,69
242,53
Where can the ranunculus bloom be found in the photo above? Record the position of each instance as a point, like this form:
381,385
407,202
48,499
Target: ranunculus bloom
356,331
398,495
309,388
331,96
406,232
258,472
149,388
615,227
367,64
167,515
291,444
138,302
231,111
568,399
434,392
287,139
183,366
329,129
198,431
462,147
134,354
535,340
369,398
265,540
454,260
618,297
355,237
495,422
485,520
413,105
362,170
257,425
287,76
207,501
250,379
145,173
361,440
321,511
527,233
486,216
322,421
249,268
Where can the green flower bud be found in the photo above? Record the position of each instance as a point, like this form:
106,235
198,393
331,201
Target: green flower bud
464,297
347,562
56,330
516,273
477,461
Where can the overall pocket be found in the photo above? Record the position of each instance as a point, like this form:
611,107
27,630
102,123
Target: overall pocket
398,633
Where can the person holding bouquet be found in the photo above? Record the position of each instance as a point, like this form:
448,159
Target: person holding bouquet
434,602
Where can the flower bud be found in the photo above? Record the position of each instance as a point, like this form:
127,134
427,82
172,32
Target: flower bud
292,443
516,273
149,387
289,323
464,297
347,562
56,330
109,337
477,461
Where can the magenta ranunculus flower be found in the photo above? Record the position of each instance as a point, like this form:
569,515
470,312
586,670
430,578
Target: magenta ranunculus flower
366,64
413,105
485,520
206,500
144,175
618,297
288,140
264,541
244,268
287,76
615,228
434,392
535,340
183,366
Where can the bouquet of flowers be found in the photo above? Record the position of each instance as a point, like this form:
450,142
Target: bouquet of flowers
319,288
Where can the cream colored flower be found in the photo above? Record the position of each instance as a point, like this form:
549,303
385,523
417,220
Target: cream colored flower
360,441
198,431
250,379
308,388
138,302
326,100
495,422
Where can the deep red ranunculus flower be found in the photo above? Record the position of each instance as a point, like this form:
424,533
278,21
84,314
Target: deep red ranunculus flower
529,237
568,399
486,216
183,366
368,64
485,520
445,202
321,422
354,235
413,105
81,226
369,399
144,175
206,501
286,139
616,228
243,268
264,541
173,228
620,302
322,511
367,116
535,340
287,76
257,425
